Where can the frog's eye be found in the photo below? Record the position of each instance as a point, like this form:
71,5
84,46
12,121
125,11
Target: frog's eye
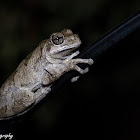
57,38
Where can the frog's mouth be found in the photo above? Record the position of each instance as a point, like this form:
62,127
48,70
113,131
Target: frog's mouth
67,51
64,50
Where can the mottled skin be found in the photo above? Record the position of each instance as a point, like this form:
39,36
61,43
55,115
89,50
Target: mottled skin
33,78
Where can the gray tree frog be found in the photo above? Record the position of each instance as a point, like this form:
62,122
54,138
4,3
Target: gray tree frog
33,78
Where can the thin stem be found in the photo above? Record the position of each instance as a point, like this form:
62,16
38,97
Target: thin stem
112,37
104,43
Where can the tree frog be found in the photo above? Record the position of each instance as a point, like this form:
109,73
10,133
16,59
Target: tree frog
33,78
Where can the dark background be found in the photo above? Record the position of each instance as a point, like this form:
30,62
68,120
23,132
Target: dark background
102,104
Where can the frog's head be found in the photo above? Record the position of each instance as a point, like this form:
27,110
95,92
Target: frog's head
63,43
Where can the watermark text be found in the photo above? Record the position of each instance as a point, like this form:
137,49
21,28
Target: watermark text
6,136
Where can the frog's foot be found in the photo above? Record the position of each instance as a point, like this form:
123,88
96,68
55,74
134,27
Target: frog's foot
74,62
79,60
74,79
41,93
72,55
81,71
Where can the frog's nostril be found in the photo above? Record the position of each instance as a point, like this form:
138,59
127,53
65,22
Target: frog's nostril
74,37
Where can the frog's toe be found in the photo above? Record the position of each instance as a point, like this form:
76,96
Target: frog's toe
90,61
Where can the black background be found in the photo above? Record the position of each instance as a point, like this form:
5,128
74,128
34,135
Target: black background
102,104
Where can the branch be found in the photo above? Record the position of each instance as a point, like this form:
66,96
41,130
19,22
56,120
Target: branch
113,37
104,43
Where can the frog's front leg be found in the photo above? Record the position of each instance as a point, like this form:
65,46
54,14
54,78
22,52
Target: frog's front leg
53,71
72,55
72,64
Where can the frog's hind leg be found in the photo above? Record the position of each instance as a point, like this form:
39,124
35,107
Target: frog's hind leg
41,93
15,103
